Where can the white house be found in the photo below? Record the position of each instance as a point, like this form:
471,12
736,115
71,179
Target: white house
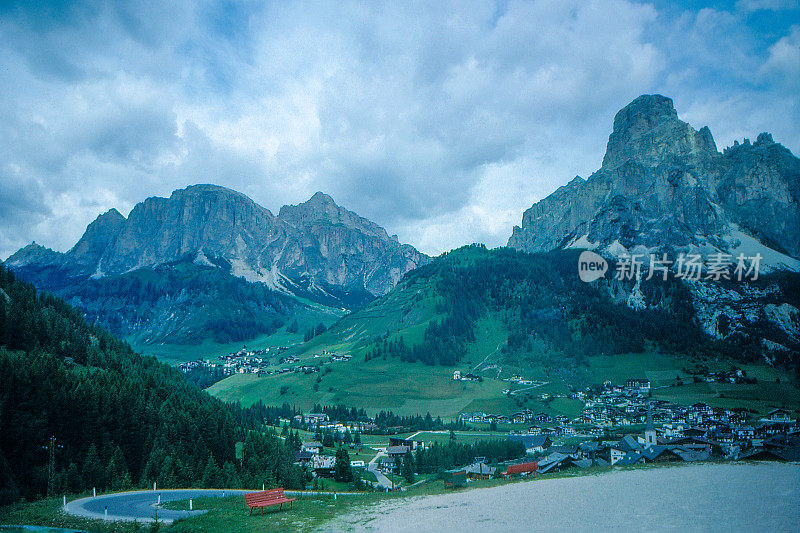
312,447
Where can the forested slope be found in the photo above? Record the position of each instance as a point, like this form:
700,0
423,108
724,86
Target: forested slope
120,419
551,316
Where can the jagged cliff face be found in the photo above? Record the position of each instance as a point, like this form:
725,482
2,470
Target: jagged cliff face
308,246
663,185
341,248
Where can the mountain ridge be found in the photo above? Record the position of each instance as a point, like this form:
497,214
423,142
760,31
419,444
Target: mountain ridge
316,239
136,274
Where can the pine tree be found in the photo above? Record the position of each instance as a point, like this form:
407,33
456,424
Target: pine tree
117,472
93,468
212,475
342,470
408,467
231,477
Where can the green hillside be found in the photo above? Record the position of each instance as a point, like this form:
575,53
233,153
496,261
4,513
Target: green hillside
496,313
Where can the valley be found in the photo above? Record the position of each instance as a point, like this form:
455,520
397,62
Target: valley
399,266
414,388
353,317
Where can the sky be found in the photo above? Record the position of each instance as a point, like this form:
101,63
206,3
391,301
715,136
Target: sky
440,121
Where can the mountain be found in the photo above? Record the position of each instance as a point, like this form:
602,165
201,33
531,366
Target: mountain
159,274
664,186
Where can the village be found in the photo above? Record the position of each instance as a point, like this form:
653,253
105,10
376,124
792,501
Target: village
618,425
602,436
261,362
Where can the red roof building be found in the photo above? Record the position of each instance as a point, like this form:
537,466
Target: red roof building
521,469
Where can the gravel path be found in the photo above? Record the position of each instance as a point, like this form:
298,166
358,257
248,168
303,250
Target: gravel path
709,497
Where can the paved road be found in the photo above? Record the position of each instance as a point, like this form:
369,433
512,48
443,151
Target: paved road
383,481
141,506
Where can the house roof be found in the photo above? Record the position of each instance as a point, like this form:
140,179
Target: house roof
792,453
480,468
554,457
779,410
522,468
530,441
582,463
631,458
566,449
556,460
651,453
323,461
692,455
397,450
628,443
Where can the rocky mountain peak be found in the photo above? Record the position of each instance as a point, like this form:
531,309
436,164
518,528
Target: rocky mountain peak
33,253
208,190
764,138
644,113
97,237
318,207
320,199
321,208
648,130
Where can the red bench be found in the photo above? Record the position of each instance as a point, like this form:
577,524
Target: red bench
267,498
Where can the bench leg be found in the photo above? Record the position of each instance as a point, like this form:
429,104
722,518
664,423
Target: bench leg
291,505
280,507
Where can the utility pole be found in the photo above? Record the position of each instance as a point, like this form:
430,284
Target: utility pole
51,465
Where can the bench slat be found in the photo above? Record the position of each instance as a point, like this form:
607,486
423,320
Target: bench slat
266,498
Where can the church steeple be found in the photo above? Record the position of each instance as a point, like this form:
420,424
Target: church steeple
649,430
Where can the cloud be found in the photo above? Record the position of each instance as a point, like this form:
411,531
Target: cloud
784,59
751,6
441,122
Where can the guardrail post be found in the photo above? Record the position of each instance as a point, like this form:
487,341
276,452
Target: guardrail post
190,504
94,492
105,513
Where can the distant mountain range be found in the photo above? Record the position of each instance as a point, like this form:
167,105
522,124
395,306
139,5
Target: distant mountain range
159,273
664,187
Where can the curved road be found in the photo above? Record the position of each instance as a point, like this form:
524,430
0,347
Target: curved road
141,505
